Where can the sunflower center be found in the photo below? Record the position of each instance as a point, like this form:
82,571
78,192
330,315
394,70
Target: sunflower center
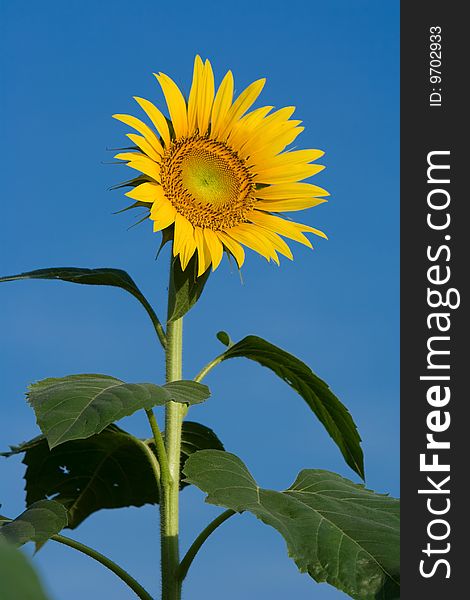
207,183
208,178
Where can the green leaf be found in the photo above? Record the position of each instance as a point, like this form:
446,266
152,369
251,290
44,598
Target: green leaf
188,392
17,576
334,416
224,337
185,288
108,470
335,530
196,437
37,524
101,276
78,406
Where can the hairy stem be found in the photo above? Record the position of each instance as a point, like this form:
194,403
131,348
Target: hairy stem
169,503
199,541
164,476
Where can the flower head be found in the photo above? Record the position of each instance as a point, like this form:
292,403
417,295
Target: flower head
218,173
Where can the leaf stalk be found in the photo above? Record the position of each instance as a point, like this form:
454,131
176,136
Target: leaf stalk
199,541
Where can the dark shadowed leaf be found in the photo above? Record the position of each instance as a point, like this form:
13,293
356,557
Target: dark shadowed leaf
17,576
108,470
197,437
334,416
78,406
186,287
37,524
335,530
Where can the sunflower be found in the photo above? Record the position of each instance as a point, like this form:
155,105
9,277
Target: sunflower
217,173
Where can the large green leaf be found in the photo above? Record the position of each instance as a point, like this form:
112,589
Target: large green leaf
334,416
101,276
18,579
108,470
185,287
335,530
78,406
40,521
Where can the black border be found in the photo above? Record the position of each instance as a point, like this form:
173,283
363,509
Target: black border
424,129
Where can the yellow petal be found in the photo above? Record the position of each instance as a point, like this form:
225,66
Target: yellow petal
247,234
146,148
290,190
183,243
188,253
286,228
222,102
278,243
143,129
204,255
146,165
287,159
287,174
157,118
282,115
245,128
215,247
129,155
183,230
163,214
198,72
233,247
241,105
146,192
205,99
270,127
176,104
290,204
254,118
269,142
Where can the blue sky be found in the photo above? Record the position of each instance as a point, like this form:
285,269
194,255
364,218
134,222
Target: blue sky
66,67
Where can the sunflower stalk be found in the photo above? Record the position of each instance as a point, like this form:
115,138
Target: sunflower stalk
169,503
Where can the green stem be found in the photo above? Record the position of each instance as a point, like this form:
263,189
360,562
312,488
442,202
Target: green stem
164,476
169,504
105,561
153,462
199,541
217,360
